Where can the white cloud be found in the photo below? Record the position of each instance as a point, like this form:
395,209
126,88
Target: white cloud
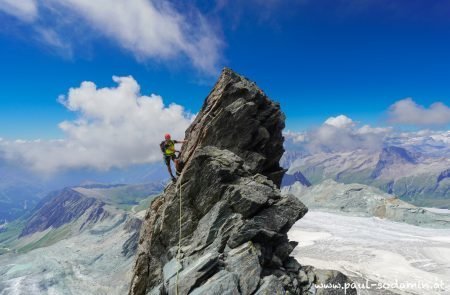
149,29
366,129
294,136
337,134
342,134
340,121
25,10
115,127
408,112
52,38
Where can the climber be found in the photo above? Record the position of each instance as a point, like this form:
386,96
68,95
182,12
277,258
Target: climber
168,149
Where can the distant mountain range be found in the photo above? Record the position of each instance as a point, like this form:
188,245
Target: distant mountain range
76,239
21,189
415,169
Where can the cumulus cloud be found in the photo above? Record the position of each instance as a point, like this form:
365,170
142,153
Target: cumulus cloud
342,134
25,10
408,112
339,134
340,121
294,136
115,127
149,29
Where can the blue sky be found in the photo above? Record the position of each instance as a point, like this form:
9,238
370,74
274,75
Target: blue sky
318,58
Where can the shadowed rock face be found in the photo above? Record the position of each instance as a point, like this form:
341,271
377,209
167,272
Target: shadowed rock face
443,175
234,221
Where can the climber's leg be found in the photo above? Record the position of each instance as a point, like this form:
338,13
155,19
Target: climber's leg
167,161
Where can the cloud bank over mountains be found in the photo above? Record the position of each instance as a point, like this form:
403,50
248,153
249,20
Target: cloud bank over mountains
115,127
342,134
338,133
149,29
408,112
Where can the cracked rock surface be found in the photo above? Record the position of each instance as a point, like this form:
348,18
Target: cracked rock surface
234,220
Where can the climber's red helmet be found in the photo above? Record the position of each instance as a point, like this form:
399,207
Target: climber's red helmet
167,136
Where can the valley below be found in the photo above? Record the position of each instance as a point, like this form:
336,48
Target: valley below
88,263
403,258
79,240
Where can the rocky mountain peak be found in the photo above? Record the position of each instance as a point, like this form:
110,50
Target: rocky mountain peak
392,155
63,207
395,154
226,206
238,116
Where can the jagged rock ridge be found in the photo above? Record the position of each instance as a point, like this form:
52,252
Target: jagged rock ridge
234,221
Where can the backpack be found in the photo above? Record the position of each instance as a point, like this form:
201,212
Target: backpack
162,146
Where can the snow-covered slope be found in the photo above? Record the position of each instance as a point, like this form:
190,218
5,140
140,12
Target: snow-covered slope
397,258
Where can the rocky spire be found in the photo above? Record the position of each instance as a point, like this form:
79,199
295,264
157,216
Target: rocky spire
234,221
239,117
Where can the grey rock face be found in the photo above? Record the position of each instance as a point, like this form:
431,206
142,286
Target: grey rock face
222,283
271,285
233,220
244,262
326,278
238,116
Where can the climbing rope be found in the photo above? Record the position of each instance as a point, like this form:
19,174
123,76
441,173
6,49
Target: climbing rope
179,233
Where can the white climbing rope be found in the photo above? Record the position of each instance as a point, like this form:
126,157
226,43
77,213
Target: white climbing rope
179,233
